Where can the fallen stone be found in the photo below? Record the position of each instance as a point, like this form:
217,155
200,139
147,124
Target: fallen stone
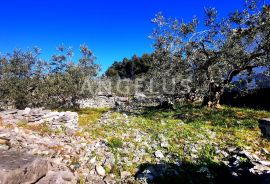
109,180
26,111
125,174
59,177
159,154
100,170
95,179
266,163
4,141
164,144
17,167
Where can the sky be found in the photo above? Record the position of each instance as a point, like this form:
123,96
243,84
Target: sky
113,29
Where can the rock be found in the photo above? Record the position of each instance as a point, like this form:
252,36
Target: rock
93,160
17,167
266,163
121,99
164,144
203,170
265,151
95,179
224,153
38,116
58,177
159,154
26,111
249,155
98,102
109,180
140,98
125,174
259,169
4,141
100,170
264,125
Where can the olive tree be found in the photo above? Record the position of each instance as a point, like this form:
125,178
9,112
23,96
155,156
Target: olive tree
19,72
213,57
27,80
170,66
66,78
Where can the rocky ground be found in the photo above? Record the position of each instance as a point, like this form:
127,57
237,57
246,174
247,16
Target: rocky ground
145,147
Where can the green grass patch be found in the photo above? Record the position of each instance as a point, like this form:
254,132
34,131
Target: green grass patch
115,143
185,128
89,116
42,128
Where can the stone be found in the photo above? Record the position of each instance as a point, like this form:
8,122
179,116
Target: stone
266,163
95,179
100,170
164,144
39,116
18,167
265,151
264,125
4,141
109,180
139,98
125,174
26,111
121,99
93,160
98,101
159,154
58,177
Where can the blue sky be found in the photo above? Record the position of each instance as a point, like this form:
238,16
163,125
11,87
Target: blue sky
113,29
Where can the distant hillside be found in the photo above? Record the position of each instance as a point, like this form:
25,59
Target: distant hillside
130,68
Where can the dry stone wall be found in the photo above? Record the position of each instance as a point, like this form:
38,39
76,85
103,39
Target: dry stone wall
39,115
102,102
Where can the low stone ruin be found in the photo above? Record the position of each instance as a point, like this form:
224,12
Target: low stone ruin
39,115
102,101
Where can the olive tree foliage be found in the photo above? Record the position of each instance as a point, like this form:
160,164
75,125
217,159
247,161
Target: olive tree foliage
19,72
66,79
171,67
211,58
27,80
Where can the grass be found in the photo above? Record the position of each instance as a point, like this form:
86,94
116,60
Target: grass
90,115
194,134
115,143
185,128
42,128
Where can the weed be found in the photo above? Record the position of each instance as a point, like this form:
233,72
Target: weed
115,143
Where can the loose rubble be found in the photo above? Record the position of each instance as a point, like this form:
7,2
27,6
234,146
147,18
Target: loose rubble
76,156
39,115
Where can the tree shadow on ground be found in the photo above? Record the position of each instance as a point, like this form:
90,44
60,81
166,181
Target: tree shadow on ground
185,112
255,99
186,172
225,117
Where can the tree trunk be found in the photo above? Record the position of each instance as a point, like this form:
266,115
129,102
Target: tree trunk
214,95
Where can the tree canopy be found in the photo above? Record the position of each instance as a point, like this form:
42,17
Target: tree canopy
130,68
211,58
27,80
